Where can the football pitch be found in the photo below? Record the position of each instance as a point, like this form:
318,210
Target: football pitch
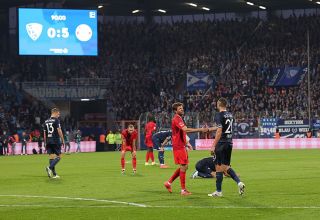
280,184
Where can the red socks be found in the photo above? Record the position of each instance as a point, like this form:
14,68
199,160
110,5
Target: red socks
134,163
149,155
183,180
123,162
174,176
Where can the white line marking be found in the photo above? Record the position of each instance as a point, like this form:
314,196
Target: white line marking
81,199
126,204
182,207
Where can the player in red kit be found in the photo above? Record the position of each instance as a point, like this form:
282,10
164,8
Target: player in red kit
149,130
129,137
179,130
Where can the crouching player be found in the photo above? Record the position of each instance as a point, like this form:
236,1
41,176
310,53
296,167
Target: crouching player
129,137
205,168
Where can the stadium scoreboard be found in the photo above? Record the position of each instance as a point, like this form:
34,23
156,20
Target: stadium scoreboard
57,32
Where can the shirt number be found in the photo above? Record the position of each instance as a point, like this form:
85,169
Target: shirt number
229,129
50,128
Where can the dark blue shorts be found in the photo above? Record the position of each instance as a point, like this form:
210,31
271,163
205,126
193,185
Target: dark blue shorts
156,143
54,149
223,153
203,168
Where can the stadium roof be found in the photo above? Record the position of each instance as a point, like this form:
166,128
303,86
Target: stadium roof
125,7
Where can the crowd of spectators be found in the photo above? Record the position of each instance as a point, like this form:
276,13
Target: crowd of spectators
147,65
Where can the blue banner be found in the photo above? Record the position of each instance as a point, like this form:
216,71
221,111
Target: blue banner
289,76
197,81
268,127
293,128
316,123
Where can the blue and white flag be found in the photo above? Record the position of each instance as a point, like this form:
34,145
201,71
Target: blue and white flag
289,76
197,81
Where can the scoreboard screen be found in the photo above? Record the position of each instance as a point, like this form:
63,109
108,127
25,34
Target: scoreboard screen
57,32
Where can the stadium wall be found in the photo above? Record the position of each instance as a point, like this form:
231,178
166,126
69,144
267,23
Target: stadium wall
86,146
264,144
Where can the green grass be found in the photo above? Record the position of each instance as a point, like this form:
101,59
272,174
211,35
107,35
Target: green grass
281,184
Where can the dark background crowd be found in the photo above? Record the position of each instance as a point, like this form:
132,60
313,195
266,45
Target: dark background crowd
147,66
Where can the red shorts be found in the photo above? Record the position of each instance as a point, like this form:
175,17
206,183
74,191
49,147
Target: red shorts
181,156
127,148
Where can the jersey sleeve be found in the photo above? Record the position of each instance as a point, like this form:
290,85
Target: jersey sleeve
218,120
134,135
44,127
57,123
178,122
123,134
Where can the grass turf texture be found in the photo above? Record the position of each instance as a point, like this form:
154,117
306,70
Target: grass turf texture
280,184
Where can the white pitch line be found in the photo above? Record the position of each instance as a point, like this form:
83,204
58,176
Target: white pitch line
175,207
136,204
80,199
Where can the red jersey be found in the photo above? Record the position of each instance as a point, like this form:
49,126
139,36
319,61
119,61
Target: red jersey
150,128
129,137
178,135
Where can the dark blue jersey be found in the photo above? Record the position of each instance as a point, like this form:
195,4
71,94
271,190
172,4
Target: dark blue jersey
225,120
50,128
159,137
207,162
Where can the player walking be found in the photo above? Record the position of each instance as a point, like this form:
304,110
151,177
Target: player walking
179,130
53,138
222,148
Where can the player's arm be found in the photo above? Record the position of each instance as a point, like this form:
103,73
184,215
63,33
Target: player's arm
165,142
134,147
61,135
45,138
189,145
216,140
213,129
124,143
192,130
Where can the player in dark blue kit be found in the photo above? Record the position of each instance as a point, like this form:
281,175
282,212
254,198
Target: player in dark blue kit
53,140
205,168
160,139
222,148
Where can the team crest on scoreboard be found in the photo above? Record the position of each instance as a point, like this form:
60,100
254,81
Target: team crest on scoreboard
34,30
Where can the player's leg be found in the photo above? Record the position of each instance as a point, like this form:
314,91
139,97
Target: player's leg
205,172
123,161
51,158
55,161
182,174
161,159
147,157
134,161
152,156
175,175
230,171
219,171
